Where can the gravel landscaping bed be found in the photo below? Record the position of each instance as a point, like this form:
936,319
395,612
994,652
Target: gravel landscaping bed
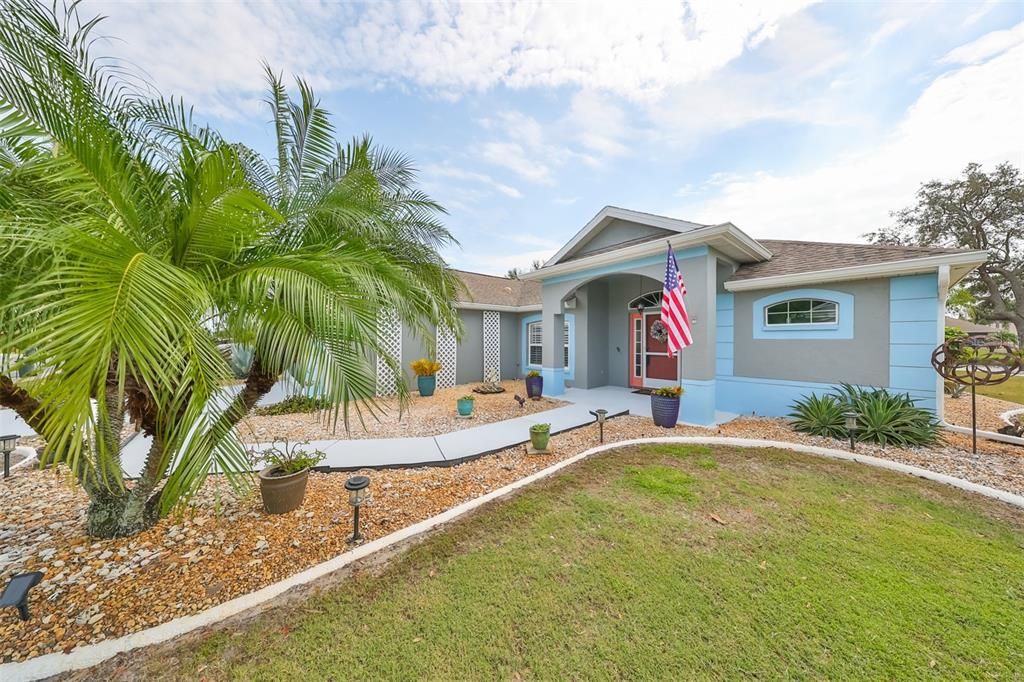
424,417
222,545
958,411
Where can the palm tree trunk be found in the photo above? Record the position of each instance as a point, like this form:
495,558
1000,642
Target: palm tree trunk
120,512
257,384
18,399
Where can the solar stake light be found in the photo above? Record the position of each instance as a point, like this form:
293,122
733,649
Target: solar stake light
851,427
600,415
7,445
356,487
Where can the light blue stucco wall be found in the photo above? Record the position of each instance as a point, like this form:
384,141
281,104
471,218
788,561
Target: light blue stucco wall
914,332
725,328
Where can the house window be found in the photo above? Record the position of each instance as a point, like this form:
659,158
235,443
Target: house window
801,311
535,340
535,334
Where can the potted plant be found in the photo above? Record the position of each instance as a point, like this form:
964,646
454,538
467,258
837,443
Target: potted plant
283,480
540,435
665,405
534,384
465,405
426,375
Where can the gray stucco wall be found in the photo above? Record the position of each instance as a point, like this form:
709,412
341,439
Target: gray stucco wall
592,362
469,366
864,359
510,349
619,231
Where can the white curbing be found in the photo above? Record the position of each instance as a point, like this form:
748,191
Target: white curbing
94,654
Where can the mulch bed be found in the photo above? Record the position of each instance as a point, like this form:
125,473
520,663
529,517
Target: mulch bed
222,545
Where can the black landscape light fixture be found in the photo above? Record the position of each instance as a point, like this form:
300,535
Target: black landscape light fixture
356,487
851,427
7,445
600,415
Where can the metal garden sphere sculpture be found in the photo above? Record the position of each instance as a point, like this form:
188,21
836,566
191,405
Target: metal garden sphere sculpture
976,364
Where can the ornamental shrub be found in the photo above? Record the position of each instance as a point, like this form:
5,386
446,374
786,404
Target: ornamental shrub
882,417
425,367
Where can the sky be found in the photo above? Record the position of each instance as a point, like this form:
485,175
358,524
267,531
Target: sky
792,120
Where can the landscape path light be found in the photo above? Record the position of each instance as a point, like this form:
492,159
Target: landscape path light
600,415
356,487
7,445
851,428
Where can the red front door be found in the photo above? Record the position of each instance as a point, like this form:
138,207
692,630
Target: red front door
649,363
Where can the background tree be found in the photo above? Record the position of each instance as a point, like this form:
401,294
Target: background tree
131,238
515,273
978,210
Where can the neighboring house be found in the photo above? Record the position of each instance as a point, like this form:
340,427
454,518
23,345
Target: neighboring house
972,329
773,320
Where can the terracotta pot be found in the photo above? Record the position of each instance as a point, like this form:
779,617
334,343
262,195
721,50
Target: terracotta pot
282,494
427,385
665,411
534,387
539,439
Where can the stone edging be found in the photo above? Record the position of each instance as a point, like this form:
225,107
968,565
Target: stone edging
94,654
1005,416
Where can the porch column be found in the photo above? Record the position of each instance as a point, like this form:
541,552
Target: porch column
553,350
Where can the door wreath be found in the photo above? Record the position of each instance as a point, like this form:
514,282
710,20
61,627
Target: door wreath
659,332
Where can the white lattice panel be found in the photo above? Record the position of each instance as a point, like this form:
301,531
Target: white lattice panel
389,334
446,354
492,345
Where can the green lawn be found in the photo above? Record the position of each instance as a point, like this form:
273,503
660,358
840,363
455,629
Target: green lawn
1012,390
668,562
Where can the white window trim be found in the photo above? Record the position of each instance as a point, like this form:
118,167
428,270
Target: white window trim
529,346
789,325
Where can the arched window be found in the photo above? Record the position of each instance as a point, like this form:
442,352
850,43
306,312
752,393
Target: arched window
649,300
801,311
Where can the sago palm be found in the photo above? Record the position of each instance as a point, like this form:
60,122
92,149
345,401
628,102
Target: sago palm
133,238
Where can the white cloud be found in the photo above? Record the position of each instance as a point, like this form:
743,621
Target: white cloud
986,46
210,52
515,158
432,175
970,114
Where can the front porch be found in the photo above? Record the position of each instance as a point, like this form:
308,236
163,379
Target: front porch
617,399
605,333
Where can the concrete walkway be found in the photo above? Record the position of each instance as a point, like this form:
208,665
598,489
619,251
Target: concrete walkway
448,448
442,450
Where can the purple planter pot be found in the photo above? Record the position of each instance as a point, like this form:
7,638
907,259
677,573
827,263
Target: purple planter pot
534,387
665,411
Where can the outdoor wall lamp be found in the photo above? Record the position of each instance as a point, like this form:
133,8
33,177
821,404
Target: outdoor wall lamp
600,415
7,445
356,487
851,427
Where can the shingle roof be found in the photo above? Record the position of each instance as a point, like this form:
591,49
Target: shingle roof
792,257
494,290
970,327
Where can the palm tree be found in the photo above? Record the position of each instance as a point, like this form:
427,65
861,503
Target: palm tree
133,239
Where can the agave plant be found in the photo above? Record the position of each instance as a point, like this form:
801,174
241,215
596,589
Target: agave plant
819,415
132,240
882,417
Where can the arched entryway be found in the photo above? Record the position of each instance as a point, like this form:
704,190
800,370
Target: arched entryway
650,365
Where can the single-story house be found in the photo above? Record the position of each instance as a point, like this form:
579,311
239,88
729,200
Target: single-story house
972,329
772,319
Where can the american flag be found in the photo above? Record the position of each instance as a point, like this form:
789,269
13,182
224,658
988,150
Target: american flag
673,308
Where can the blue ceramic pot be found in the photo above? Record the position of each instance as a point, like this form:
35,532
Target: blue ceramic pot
465,407
665,411
534,387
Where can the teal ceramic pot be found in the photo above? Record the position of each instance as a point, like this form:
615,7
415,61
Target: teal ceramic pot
465,407
427,385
